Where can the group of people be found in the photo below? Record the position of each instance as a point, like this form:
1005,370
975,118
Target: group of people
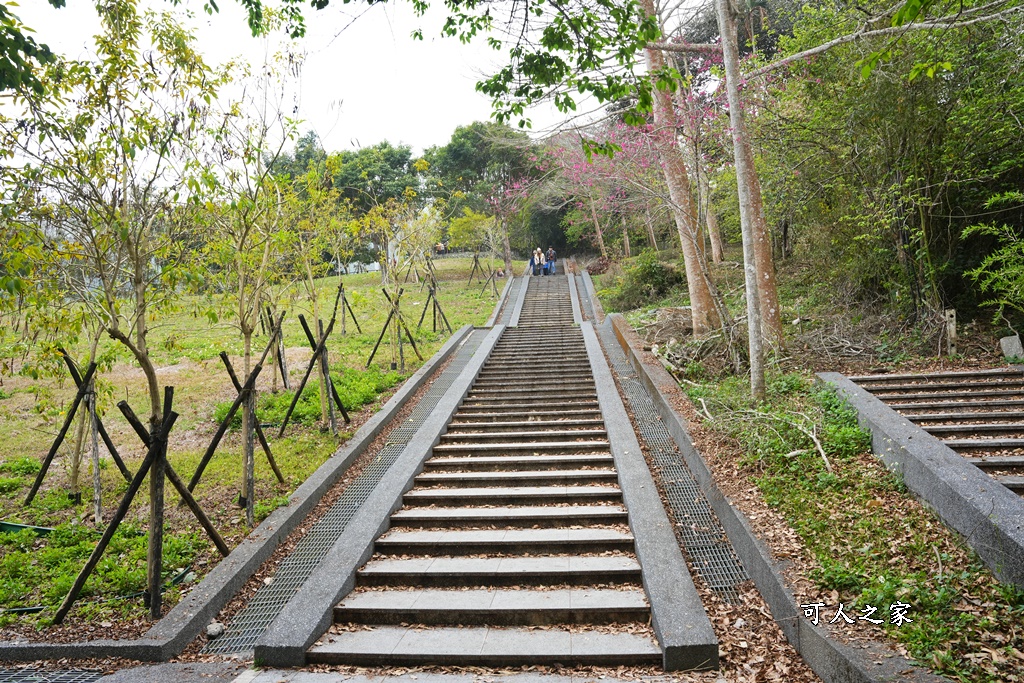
541,263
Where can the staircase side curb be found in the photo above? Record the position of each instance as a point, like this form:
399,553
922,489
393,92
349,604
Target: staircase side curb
680,622
987,514
517,309
833,661
309,613
500,303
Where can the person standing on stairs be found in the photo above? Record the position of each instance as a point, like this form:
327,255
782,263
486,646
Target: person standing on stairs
551,261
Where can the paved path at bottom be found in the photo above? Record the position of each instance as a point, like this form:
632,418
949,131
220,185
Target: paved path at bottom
227,672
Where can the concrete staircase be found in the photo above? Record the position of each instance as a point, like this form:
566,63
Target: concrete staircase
513,546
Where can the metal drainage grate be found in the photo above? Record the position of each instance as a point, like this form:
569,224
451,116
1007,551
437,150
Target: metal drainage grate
42,676
704,539
249,624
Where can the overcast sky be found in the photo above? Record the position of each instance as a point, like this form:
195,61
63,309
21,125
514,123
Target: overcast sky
365,79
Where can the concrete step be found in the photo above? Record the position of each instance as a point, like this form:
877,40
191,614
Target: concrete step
484,646
547,435
526,401
938,404
1009,415
511,541
510,517
517,478
1015,484
518,495
521,462
539,390
494,607
1009,428
500,571
894,399
997,462
1014,382
521,447
478,414
490,427
983,444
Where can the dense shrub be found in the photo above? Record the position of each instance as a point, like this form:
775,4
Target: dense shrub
647,280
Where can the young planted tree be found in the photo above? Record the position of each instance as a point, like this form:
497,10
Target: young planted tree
109,154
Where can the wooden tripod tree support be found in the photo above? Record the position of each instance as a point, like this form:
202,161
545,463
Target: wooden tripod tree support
320,346
476,267
491,281
346,305
313,344
396,315
431,278
156,459
259,430
435,312
243,394
73,369
84,387
278,348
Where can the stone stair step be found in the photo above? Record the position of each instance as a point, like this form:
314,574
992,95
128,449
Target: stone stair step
552,434
515,462
982,444
1015,484
494,607
484,646
510,541
514,495
525,401
1008,428
520,425
508,516
516,478
500,571
520,447
995,462
475,415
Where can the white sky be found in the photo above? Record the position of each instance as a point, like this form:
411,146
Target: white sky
360,85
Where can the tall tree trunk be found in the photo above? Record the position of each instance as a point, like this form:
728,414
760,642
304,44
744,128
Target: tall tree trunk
702,306
714,231
625,239
727,28
507,246
748,184
692,157
597,229
652,238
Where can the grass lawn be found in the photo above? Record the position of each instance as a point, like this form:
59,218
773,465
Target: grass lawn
185,347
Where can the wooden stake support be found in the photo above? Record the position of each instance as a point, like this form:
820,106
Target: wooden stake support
396,315
243,393
259,430
346,305
334,392
156,454
476,267
435,306
73,369
313,361
83,389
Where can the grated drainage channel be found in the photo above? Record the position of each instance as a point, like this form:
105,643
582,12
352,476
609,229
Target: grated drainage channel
43,676
704,539
247,627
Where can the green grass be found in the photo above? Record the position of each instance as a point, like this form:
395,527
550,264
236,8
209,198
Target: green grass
39,571
870,542
185,347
